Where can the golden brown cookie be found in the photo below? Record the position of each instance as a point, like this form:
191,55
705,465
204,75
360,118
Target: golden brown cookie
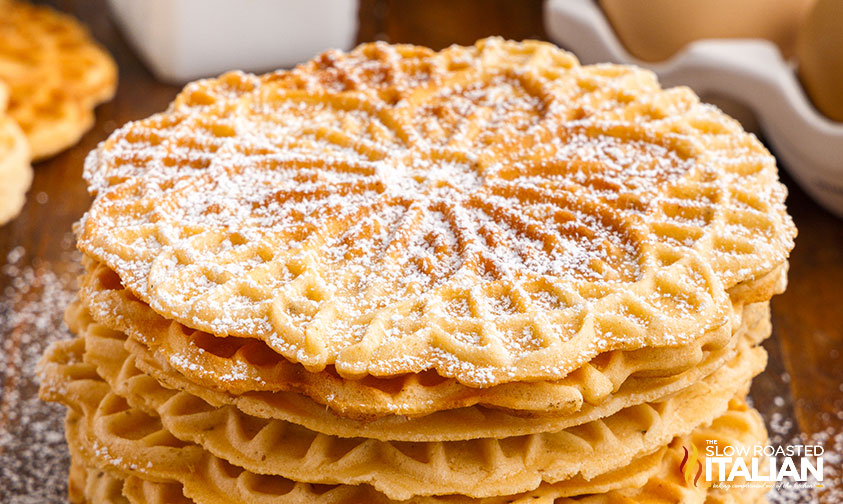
495,213
56,73
15,170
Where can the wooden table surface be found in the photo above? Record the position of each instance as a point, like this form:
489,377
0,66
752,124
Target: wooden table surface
804,379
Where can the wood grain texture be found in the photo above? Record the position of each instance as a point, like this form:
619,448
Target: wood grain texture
805,368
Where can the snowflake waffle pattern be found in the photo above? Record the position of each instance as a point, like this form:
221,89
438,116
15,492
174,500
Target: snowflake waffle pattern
495,213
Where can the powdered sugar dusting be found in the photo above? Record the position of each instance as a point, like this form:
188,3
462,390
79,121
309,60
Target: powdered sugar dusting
33,454
319,208
784,431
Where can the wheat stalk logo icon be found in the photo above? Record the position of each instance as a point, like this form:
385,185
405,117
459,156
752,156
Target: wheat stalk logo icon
686,467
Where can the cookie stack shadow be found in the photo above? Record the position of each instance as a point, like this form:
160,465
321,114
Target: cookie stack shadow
169,402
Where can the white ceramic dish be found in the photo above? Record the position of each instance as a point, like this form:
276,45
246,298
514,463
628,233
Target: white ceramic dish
181,40
750,72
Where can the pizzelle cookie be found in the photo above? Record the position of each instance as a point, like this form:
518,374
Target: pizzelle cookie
486,274
15,170
401,470
105,350
108,348
105,488
495,213
242,365
57,74
653,478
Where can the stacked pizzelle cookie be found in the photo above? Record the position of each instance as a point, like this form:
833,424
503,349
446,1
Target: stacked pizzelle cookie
52,76
397,275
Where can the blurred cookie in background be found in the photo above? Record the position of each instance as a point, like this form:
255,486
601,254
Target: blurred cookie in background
56,74
15,170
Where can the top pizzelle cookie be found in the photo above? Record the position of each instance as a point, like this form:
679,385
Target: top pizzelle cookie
497,213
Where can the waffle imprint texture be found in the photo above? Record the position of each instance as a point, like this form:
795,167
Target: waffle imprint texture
481,275
478,468
654,479
495,213
101,487
243,365
107,349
